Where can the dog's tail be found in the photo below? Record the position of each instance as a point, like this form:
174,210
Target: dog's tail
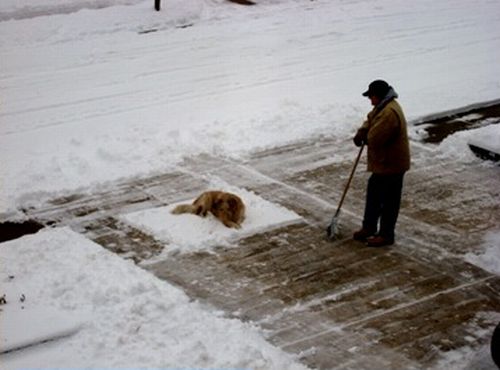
184,208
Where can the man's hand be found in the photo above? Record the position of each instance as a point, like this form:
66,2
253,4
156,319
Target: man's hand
361,137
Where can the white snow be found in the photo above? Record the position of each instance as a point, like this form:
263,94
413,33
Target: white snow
133,319
27,326
87,97
488,257
487,137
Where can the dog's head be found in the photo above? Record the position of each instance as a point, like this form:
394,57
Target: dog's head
226,205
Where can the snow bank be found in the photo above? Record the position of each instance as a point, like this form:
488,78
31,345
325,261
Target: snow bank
134,320
488,137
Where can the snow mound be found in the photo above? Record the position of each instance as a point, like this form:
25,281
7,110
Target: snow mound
487,137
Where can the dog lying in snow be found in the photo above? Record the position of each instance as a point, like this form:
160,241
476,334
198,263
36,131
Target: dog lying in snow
227,207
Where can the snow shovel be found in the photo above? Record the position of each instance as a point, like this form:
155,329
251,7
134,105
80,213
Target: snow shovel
331,230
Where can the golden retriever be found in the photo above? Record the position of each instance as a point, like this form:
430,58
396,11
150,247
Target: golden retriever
227,207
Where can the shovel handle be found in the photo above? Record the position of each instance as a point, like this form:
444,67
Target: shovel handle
349,180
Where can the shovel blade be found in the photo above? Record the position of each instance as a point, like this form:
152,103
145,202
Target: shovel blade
331,230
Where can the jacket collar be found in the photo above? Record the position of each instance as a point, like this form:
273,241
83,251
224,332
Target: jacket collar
391,95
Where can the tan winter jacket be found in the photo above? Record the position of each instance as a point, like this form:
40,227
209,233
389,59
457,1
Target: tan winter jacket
387,140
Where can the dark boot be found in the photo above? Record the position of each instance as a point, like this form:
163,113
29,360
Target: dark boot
362,235
379,241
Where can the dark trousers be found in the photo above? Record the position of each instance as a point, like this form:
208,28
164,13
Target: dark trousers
383,199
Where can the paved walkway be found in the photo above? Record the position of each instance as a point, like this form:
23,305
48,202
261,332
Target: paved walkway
334,304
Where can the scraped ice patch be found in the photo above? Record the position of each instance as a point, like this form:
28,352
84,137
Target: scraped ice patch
134,320
187,232
489,258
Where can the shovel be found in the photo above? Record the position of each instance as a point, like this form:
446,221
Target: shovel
332,229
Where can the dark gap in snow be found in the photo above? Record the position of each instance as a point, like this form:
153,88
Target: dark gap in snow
495,346
440,128
148,31
484,153
151,30
13,230
242,2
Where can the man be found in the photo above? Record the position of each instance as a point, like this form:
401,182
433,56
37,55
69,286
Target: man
385,134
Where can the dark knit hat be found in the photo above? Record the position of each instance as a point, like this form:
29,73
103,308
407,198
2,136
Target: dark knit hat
378,88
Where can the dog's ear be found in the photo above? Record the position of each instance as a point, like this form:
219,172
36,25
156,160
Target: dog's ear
217,203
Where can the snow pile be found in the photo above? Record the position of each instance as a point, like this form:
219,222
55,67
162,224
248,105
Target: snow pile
487,137
456,146
489,258
187,232
134,320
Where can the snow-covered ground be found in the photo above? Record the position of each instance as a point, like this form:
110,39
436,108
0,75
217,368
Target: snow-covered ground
108,313
88,95
87,98
130,318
